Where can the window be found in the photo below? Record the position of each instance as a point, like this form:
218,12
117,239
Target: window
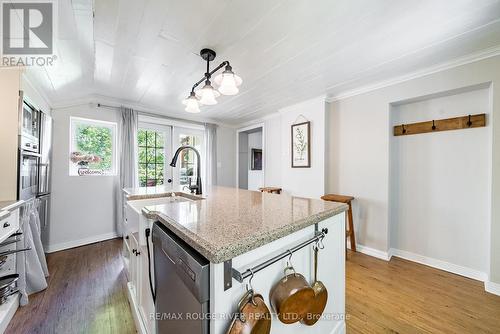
187,158
92,147
151,145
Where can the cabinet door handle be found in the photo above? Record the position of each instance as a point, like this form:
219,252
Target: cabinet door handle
137,253
134,250
6,225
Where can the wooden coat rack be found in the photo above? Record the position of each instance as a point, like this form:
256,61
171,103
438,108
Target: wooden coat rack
456,123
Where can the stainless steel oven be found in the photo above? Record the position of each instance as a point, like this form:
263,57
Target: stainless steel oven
28,174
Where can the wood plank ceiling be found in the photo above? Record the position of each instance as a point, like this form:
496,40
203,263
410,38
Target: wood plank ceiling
144,53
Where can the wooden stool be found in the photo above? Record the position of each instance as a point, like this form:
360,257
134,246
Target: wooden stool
271,190
347,200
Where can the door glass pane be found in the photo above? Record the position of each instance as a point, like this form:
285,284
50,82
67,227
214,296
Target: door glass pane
187,159
159,156
151,153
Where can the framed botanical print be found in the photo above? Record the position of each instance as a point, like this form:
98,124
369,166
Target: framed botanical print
301,145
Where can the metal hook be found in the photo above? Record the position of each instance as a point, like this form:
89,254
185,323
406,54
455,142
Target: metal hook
290,258
249,284
433,125
469,123
321,245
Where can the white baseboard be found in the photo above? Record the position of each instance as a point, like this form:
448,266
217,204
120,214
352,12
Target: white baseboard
373,252
439,264
492,287
81,242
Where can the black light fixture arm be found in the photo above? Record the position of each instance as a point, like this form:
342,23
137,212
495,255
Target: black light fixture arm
209,73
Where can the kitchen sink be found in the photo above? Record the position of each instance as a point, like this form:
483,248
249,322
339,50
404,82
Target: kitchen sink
176,197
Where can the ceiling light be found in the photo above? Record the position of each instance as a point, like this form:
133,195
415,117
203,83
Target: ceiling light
207,94
192,104
227,83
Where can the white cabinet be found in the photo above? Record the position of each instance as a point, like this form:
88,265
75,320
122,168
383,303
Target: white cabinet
9,223
136,263
146,304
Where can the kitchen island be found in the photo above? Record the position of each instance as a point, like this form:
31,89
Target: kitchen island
235,229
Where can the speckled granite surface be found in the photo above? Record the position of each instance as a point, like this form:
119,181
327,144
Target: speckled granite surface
229,221
10,204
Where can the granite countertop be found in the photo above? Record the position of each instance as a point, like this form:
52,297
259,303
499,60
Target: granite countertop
10,205
228,222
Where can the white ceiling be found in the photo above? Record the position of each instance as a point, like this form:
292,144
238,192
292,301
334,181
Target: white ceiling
144,53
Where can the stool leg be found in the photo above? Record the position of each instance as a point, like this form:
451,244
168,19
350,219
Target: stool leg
351,229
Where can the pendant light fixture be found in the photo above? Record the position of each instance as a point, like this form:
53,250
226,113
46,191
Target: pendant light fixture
227,83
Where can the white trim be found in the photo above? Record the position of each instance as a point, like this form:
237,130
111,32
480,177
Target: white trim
467,59
373,252
439,264
139,324
7,311
243,129
41,93
159,121
98,123
81,242
93,99
492,287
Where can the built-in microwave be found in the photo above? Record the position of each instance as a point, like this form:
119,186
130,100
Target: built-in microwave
29,128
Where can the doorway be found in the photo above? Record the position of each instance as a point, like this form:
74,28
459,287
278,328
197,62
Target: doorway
250,158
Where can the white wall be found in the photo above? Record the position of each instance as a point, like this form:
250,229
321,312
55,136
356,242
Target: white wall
255,177
358,150
226,160
242,160
440,182
33,95
83,207
305,182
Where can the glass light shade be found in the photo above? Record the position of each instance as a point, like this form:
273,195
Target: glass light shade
228,85
208,94
191,103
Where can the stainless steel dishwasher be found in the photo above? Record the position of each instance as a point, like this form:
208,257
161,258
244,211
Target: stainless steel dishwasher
182,285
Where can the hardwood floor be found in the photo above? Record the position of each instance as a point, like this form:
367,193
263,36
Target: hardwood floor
404,297
86,294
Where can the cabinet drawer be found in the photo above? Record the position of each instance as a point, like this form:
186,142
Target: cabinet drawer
9,223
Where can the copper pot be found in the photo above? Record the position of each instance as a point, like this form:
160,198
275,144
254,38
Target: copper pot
253,317
291,297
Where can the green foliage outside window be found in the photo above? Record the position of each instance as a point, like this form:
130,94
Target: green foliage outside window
151,158
96,140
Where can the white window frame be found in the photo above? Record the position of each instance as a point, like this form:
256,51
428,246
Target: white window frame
72,143
157,124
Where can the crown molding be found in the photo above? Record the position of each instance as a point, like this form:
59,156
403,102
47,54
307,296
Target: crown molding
467,59
94,99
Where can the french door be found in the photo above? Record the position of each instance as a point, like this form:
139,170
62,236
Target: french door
154,155
185,170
